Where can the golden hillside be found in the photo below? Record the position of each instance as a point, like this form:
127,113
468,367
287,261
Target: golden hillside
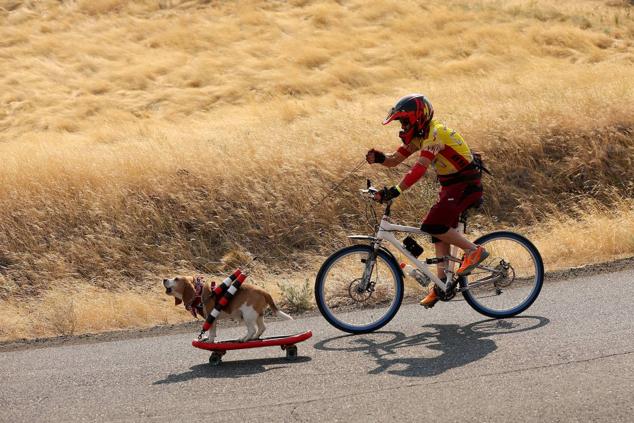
144,138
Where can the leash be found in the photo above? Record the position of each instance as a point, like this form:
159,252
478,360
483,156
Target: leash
341,181
310,208
232,283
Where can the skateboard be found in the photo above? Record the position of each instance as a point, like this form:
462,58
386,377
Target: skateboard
219,349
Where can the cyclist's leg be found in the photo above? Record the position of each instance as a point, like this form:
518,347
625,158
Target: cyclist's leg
442,250
443,217
453,237
463,196
472,195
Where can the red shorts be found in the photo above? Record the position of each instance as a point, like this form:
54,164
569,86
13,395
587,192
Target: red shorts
453,200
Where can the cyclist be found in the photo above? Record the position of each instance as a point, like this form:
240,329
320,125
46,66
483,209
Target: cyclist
458,174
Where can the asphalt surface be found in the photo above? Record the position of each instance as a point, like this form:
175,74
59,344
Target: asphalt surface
570,357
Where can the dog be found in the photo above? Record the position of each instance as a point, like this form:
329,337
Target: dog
248,304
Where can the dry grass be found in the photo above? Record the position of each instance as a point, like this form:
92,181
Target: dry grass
297,297
592,234
86,309
144,138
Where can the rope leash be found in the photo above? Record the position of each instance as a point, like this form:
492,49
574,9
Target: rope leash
344,179
311,206
231,284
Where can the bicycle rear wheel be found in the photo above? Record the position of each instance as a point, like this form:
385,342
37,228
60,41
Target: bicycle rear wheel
512,280
341,297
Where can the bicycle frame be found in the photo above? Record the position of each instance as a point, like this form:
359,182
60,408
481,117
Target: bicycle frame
386,231
375,249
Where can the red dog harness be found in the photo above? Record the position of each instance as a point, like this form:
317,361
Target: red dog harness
227,289
196,305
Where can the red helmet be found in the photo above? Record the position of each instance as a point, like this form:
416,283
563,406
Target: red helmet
414,112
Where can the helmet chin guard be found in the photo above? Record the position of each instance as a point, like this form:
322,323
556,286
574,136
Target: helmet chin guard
407,135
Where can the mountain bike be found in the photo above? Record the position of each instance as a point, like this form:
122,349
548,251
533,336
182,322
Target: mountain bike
360,288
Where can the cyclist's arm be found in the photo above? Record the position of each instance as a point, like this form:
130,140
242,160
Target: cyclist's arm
396,158
417,171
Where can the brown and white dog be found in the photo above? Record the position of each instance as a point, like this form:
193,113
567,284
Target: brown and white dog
248,304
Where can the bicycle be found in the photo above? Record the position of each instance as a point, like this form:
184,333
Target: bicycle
360,288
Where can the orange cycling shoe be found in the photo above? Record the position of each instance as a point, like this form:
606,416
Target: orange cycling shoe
432,298
471,261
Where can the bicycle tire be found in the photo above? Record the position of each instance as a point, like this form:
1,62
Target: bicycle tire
539,277
325,310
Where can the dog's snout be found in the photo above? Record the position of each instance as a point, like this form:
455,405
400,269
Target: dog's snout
169,285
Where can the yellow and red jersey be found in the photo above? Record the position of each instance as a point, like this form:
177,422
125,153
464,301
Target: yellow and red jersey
446,149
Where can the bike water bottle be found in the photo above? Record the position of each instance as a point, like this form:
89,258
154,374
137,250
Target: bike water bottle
412,272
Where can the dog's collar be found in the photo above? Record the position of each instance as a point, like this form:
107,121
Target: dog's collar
196,305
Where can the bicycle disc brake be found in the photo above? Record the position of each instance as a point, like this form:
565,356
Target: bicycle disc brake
357,293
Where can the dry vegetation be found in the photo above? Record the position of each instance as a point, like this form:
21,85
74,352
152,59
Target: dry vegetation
145,138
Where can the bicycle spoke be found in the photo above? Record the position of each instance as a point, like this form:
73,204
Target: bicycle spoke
349,301
508,280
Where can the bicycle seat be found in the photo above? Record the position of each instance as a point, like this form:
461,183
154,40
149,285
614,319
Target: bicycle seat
465,214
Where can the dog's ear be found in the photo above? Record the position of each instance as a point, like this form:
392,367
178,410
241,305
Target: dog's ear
177,301
188,292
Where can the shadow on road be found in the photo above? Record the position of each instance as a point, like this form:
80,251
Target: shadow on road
231,369
444,346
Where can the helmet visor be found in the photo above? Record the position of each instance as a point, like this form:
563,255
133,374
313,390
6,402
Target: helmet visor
390,116
394,114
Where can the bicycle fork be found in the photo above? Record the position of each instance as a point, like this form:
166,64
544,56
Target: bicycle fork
370,262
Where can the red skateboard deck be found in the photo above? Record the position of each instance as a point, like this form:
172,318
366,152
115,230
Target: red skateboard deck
220,348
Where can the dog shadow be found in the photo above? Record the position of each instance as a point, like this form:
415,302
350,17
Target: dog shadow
446,346
232,369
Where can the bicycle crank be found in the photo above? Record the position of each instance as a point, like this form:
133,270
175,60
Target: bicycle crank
451,291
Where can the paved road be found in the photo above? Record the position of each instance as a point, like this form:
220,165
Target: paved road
570,358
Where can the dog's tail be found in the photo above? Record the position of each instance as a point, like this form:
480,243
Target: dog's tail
276,311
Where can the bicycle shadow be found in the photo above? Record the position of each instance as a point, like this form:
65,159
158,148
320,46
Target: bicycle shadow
447,346
231,369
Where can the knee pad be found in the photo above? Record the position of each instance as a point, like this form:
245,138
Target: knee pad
434,229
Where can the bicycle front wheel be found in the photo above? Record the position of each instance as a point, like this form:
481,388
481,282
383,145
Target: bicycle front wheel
509,280
352,304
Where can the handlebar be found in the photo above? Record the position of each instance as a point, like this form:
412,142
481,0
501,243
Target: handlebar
371,191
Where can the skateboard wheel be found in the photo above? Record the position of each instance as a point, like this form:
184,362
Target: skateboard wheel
216,358
291,352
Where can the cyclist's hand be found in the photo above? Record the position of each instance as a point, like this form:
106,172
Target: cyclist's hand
386,194
374,156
